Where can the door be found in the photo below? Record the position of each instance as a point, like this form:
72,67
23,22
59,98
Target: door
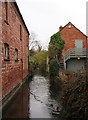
78,46
78,43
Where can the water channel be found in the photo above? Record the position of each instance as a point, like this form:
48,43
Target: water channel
36,99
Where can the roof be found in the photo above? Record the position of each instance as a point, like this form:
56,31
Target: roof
21,16
74,26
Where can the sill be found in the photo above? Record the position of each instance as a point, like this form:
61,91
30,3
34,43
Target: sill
6,22
6,59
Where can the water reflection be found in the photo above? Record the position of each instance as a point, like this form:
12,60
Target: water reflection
43,103
39,89
18,107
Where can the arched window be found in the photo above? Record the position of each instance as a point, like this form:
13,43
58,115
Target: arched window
6,51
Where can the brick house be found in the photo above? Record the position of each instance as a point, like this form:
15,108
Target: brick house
74,52
13,48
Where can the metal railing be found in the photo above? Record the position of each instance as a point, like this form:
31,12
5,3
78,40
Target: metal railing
75,53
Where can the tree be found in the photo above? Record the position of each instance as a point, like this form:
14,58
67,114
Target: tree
56,46
32,52
34,42
39,61
34,45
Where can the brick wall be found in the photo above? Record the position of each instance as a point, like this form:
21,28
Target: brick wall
13,72
0,51
69,35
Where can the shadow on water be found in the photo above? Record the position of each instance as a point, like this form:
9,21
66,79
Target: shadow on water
18,107
55,89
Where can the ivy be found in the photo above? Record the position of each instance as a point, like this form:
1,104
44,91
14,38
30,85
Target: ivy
56,46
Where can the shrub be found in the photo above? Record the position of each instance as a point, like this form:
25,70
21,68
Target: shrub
53,67
32,67
75,98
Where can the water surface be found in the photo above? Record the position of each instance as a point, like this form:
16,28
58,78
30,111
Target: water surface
36,99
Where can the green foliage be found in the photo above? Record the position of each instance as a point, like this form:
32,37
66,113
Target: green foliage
39,59
32,68
56,46
53,67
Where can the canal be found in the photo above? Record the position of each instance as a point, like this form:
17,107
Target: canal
36,99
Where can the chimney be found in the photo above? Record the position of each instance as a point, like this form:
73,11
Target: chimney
60,28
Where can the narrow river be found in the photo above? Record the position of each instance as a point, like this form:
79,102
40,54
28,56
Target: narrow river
36,99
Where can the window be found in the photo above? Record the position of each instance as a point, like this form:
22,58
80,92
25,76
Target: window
69,26
16,54
6,51
20,32
6,11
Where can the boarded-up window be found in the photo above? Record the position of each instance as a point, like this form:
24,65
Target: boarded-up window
6,51
16,54
20,32
6,11
27,41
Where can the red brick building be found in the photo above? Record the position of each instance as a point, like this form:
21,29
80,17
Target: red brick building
14,48
74,52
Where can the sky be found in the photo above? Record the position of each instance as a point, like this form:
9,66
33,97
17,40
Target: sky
43,17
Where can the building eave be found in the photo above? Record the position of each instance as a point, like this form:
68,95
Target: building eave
21,17
75,27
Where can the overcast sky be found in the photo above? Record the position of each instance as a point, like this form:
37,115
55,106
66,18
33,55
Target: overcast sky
45,16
